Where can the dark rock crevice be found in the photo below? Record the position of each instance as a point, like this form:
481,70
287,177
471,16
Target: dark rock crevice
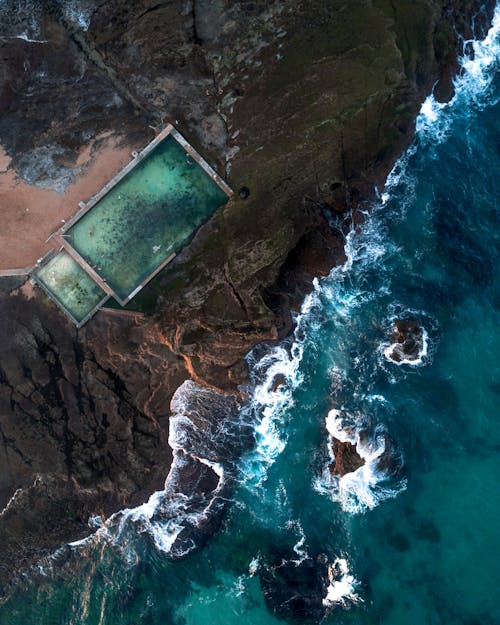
92,55
237,297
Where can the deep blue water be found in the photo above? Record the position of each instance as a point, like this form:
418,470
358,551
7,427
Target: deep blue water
422,546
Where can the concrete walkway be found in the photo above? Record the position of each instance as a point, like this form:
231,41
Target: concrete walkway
5,273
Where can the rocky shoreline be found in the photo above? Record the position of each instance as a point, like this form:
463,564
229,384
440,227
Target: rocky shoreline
307,105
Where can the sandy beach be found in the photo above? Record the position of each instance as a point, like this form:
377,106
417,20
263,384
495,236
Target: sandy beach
31,214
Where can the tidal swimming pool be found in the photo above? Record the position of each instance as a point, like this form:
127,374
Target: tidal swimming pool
146,218
71,287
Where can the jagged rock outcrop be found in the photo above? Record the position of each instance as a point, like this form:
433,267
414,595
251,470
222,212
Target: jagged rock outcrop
306,104
407,340
347,459
83,423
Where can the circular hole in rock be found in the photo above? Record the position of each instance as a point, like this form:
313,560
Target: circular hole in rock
244,192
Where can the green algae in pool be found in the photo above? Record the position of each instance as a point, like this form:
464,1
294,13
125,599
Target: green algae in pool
147,216
70,286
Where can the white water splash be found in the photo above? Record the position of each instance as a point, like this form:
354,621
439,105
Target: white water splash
278,374
342,587
390,349
367,486
471,86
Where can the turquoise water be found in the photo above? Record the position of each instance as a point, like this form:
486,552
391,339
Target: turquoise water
421,545
70,285
147,216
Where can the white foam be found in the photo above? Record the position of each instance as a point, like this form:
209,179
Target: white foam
279,374
472,86
366,487
298,548
78,12
342,587
336,427
254,565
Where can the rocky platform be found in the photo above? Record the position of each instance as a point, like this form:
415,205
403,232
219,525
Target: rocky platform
306,104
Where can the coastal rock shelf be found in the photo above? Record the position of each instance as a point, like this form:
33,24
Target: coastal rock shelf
305,106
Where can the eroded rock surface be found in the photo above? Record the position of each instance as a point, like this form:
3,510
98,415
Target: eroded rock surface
83,422
306,104
408,340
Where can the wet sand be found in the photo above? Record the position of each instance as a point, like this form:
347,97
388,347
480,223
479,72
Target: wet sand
30,214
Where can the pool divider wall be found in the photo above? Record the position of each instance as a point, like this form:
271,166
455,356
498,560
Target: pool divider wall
87,268
95,310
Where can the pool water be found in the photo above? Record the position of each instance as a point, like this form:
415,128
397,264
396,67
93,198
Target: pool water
149,215
70,286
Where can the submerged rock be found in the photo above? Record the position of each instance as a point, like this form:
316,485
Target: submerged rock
296,591
305,591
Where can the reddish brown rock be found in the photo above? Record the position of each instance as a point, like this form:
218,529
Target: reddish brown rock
347,459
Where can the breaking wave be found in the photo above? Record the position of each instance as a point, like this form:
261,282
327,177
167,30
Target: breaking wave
377,480
473,86
342,586
207,436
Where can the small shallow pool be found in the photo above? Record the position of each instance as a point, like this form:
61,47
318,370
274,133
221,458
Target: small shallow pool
71,287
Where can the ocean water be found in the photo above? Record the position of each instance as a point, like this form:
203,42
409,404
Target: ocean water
412,541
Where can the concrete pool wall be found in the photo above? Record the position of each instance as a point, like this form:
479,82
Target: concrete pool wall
70,287
138,157
186,196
